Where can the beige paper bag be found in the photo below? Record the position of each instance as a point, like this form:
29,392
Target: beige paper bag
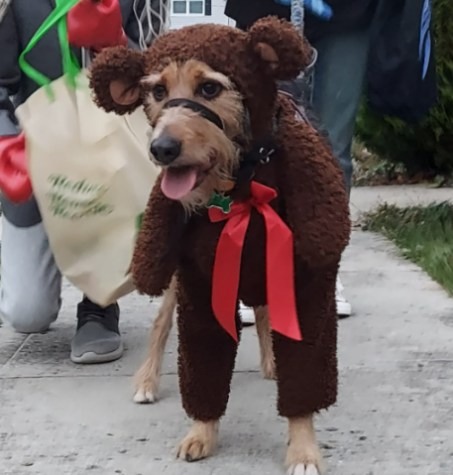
91,177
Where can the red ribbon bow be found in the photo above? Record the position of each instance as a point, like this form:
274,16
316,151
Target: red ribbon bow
281,298
14,178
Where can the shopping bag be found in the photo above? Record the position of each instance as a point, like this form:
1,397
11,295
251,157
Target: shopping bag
401,74
91,178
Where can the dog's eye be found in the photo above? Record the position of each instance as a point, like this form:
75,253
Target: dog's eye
159,92
210,90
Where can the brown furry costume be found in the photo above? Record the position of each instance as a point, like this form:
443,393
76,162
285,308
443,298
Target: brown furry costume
311,200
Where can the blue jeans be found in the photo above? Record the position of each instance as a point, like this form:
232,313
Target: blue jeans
337,90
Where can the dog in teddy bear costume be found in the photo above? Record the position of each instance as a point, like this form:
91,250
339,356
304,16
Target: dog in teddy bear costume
250,206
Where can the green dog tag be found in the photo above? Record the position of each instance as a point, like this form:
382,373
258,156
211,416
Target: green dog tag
222,202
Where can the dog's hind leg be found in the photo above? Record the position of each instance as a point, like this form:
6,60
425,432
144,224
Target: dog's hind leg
147,377
303,456
263,329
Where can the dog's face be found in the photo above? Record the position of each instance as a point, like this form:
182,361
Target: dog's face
196,147
207,90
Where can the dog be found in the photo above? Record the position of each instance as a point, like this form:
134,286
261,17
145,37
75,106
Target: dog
147,378
250,206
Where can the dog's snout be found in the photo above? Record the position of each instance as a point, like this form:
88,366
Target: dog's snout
166,149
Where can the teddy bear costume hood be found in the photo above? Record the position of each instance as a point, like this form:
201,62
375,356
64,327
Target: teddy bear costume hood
247,70
252,76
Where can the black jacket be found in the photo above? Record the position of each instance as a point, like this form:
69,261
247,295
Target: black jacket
21,21
247,12
348,14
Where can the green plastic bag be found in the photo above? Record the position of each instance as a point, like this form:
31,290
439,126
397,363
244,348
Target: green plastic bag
71,67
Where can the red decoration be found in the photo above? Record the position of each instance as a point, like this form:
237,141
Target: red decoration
281,297
96,24
14,179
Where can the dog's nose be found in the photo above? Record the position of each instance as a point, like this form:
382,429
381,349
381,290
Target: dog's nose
166,149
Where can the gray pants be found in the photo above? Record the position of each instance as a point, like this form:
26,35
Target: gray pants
337,90
30,281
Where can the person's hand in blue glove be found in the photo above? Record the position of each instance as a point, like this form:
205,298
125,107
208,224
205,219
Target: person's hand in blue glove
317,7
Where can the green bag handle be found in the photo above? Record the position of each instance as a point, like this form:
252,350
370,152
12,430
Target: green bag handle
71,66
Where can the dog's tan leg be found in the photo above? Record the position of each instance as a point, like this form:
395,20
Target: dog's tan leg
303,456
199,442
147,377
263,329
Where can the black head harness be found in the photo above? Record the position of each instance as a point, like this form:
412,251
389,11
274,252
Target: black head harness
200,109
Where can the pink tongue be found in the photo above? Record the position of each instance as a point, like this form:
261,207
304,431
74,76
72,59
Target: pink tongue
178,182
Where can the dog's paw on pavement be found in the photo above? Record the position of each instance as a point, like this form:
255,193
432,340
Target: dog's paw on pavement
302,469
144,397
199,442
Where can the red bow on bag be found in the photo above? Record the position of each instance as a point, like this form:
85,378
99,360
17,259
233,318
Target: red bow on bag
96,24
14,179
281,297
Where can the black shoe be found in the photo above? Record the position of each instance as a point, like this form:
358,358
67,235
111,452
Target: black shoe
97,339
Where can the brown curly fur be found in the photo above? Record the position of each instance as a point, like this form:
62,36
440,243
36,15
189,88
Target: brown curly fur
311,200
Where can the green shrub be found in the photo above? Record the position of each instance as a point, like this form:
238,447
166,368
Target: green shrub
427,146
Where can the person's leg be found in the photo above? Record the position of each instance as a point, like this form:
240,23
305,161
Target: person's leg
30,295
30,281
337,90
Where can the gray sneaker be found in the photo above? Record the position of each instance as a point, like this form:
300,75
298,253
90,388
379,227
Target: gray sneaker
97,339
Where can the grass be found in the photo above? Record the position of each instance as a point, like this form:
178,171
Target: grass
424,235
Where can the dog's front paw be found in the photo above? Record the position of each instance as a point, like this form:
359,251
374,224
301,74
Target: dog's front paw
303,459
199,442
303,456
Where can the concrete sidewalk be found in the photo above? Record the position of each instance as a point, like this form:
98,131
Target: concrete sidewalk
394,414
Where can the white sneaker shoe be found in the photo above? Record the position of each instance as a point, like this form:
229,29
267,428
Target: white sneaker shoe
247,315
344,308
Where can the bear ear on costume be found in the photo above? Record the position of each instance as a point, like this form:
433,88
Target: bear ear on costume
280,46
115,78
